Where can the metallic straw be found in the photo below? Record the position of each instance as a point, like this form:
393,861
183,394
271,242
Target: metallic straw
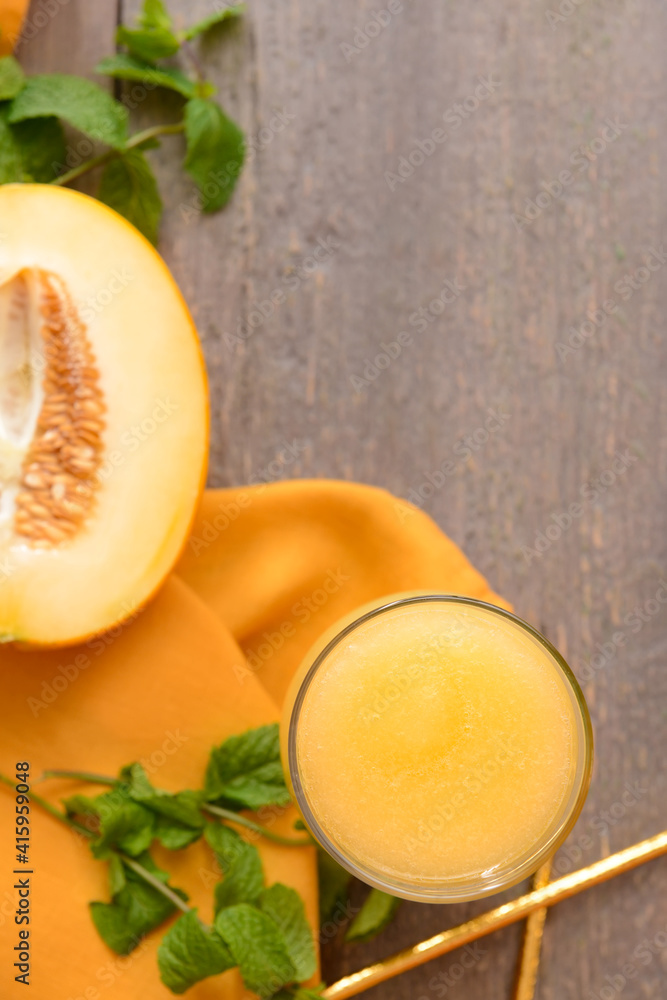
486,923
529,960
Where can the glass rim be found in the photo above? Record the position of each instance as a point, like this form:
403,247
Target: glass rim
463,889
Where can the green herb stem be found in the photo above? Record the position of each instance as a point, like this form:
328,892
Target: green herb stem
189,50
217,811
136,866
89,776
233,817
51,809
135,140
168,893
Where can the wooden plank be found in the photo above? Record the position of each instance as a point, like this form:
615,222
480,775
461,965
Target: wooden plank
67,36
348,117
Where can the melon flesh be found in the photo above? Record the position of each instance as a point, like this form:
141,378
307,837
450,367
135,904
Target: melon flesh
103,417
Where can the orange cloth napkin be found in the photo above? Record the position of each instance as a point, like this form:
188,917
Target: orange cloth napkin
280,564
265,572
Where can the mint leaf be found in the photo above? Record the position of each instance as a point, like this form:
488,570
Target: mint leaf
181,806
148,43
81,805
224,842
117,877
128,185
190,952
216,18
285,907
378,910
173,835
12,78
41,144
215,152
122,823
11,163
125,67
333,884
153,39
136,910
81,103
243,881
245,772
31,150
154,14
240,863
258,948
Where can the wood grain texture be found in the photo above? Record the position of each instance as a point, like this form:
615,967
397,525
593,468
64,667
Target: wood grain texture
318,176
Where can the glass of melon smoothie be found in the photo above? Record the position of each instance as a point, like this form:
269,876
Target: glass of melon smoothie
439,748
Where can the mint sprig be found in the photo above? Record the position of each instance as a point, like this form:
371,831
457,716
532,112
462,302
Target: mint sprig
32,147
261,930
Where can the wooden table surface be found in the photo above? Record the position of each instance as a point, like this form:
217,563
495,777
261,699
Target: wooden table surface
541,89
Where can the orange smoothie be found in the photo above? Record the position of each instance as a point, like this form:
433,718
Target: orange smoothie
439,749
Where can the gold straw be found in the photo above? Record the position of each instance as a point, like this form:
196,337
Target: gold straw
509,913
529,961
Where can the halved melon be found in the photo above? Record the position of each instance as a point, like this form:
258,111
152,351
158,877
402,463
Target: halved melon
12,13
103,417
